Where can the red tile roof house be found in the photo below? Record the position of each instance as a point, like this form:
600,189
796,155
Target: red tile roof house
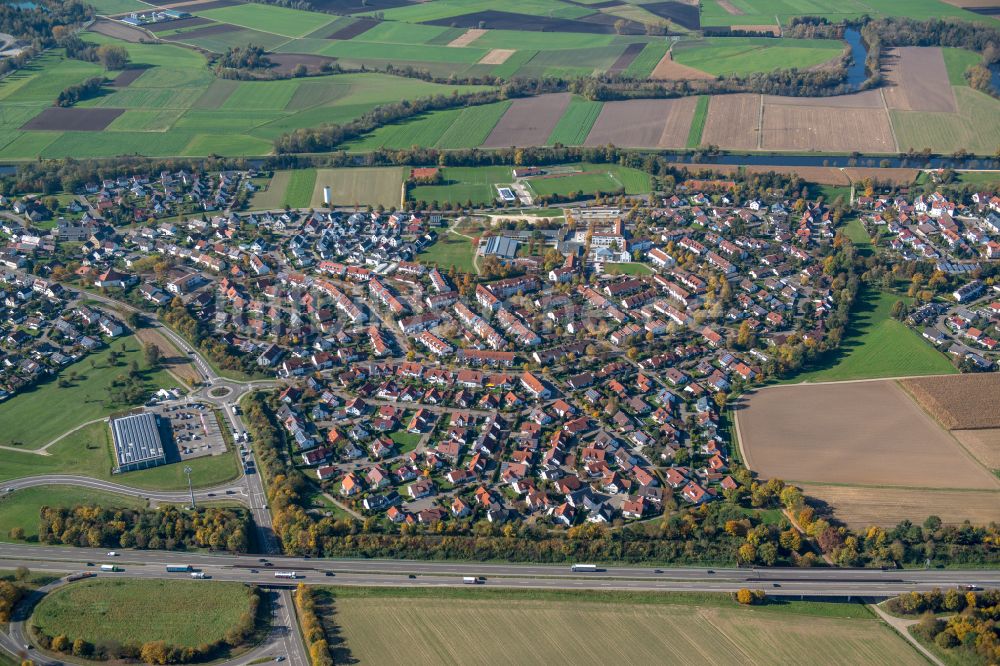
533,386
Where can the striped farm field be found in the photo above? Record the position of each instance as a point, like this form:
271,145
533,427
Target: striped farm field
415,627
576,123
380,186
450,128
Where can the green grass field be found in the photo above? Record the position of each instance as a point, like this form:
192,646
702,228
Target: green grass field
98,610
450,128
301,184
976,126
760,12
464,183
698,122
746,55
576,122
877,345
957,61
28,419
177,107
21,508
450,250
473,626
634,268
266,18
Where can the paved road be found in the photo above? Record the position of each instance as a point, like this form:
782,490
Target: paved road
234,492
781,581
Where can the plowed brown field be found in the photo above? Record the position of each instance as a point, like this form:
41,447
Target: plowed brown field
862,507
918,80
732,122
826,129
644,123
959,401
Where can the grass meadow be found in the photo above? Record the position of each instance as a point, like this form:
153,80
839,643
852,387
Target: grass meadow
35,417
449,250
99,610
876,345
396,626
746,55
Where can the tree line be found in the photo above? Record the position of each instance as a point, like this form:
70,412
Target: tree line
161,652
166,528
970,635
80,91
312,626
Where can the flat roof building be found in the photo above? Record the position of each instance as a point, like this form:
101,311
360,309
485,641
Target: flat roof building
501,247
137,442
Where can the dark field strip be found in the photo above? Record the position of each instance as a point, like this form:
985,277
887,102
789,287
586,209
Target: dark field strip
189,22
353,30
497,20
125,79
632,51
678,12
80,120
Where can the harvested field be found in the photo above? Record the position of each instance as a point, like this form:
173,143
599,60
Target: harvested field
892,176
862,507
732,122
821,175
119,31
918,80
869,99
190,22
857,433
644,123
959,402
730,8
286,63
353,30
173,361
76,119
496,57
469,36
983,444
631,52
474,628
207,31
529,121
125,79
670,70
826,129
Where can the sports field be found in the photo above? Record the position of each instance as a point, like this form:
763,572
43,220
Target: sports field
461,184
388,626
101,610
21,508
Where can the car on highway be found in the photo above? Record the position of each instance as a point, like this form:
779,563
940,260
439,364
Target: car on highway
328,573
412,576
280,657
112,553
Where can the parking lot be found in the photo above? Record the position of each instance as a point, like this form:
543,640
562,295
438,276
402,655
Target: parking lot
195,429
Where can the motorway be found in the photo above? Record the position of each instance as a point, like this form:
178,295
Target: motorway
285,639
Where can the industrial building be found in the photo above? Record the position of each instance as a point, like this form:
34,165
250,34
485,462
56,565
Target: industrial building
137,442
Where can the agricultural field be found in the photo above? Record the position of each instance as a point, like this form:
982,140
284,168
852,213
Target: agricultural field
359,187
576,123
21,508
27,420
876,345
395,626
451,128
660,123
854,433
762,12
176,106
974,127
860,507
698,122
959,402
101,610
739,56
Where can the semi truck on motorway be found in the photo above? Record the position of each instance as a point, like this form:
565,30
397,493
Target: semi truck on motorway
178,568
110,567
584,568
285,574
